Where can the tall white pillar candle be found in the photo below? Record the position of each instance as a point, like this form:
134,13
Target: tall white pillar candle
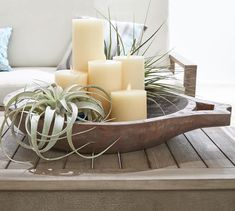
87,42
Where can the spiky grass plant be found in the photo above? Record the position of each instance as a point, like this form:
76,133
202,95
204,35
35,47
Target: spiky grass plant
58,111
158,78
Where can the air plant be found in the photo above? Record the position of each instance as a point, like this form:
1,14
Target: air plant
157,76
57,110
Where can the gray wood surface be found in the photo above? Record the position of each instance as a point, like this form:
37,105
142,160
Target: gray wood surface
195,171
118,200
209,148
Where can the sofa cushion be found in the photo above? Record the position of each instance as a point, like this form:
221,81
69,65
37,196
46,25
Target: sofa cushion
21,77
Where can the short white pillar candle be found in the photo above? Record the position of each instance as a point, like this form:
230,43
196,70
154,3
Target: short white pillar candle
129,105
66,78
132,71
106,74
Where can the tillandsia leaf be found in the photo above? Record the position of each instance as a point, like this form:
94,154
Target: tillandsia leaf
105,49
91,106
145,21
118,42
58,126
48,119
149,39
113,26
64,104
149,46
110,37
158,59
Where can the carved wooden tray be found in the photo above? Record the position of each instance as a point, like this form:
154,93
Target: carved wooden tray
175,114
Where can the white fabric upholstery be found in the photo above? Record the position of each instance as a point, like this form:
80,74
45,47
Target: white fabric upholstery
20,77
42,28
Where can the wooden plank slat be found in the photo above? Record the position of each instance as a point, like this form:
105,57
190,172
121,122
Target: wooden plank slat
76,162
51,165
208,151
25,155
224,138
160,157
10,147
107,161
134,161
184,153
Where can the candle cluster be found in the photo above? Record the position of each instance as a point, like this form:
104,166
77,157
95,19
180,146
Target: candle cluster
122,77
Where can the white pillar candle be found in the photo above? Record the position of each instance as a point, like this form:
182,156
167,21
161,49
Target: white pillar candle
132,71
129,105
66,78
87,42
106,74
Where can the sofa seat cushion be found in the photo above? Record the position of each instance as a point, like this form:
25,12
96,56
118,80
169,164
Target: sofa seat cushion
21,77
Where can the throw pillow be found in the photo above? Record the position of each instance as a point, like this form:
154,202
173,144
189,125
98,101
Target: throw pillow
5,34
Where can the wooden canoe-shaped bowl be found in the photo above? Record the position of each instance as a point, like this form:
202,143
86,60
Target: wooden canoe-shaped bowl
174,114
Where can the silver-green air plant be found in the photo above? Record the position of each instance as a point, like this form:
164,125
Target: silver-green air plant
58,110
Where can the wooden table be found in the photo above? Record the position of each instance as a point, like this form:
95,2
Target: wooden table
194,171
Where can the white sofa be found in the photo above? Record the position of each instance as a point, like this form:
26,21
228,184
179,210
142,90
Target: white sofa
42,32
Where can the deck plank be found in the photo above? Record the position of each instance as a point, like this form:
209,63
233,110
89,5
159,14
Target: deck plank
10,147
134,160
56,164
184,153
107,161
160,157
208,151
76,162
224,138
25,155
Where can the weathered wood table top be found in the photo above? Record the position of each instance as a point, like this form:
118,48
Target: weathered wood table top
202,159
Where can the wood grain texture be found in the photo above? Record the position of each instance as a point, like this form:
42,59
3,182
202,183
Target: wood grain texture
57,164
160,179
76,162
10,147
211,155
184,153
135,160
160,157
224,138
118,200
106,161
195,151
